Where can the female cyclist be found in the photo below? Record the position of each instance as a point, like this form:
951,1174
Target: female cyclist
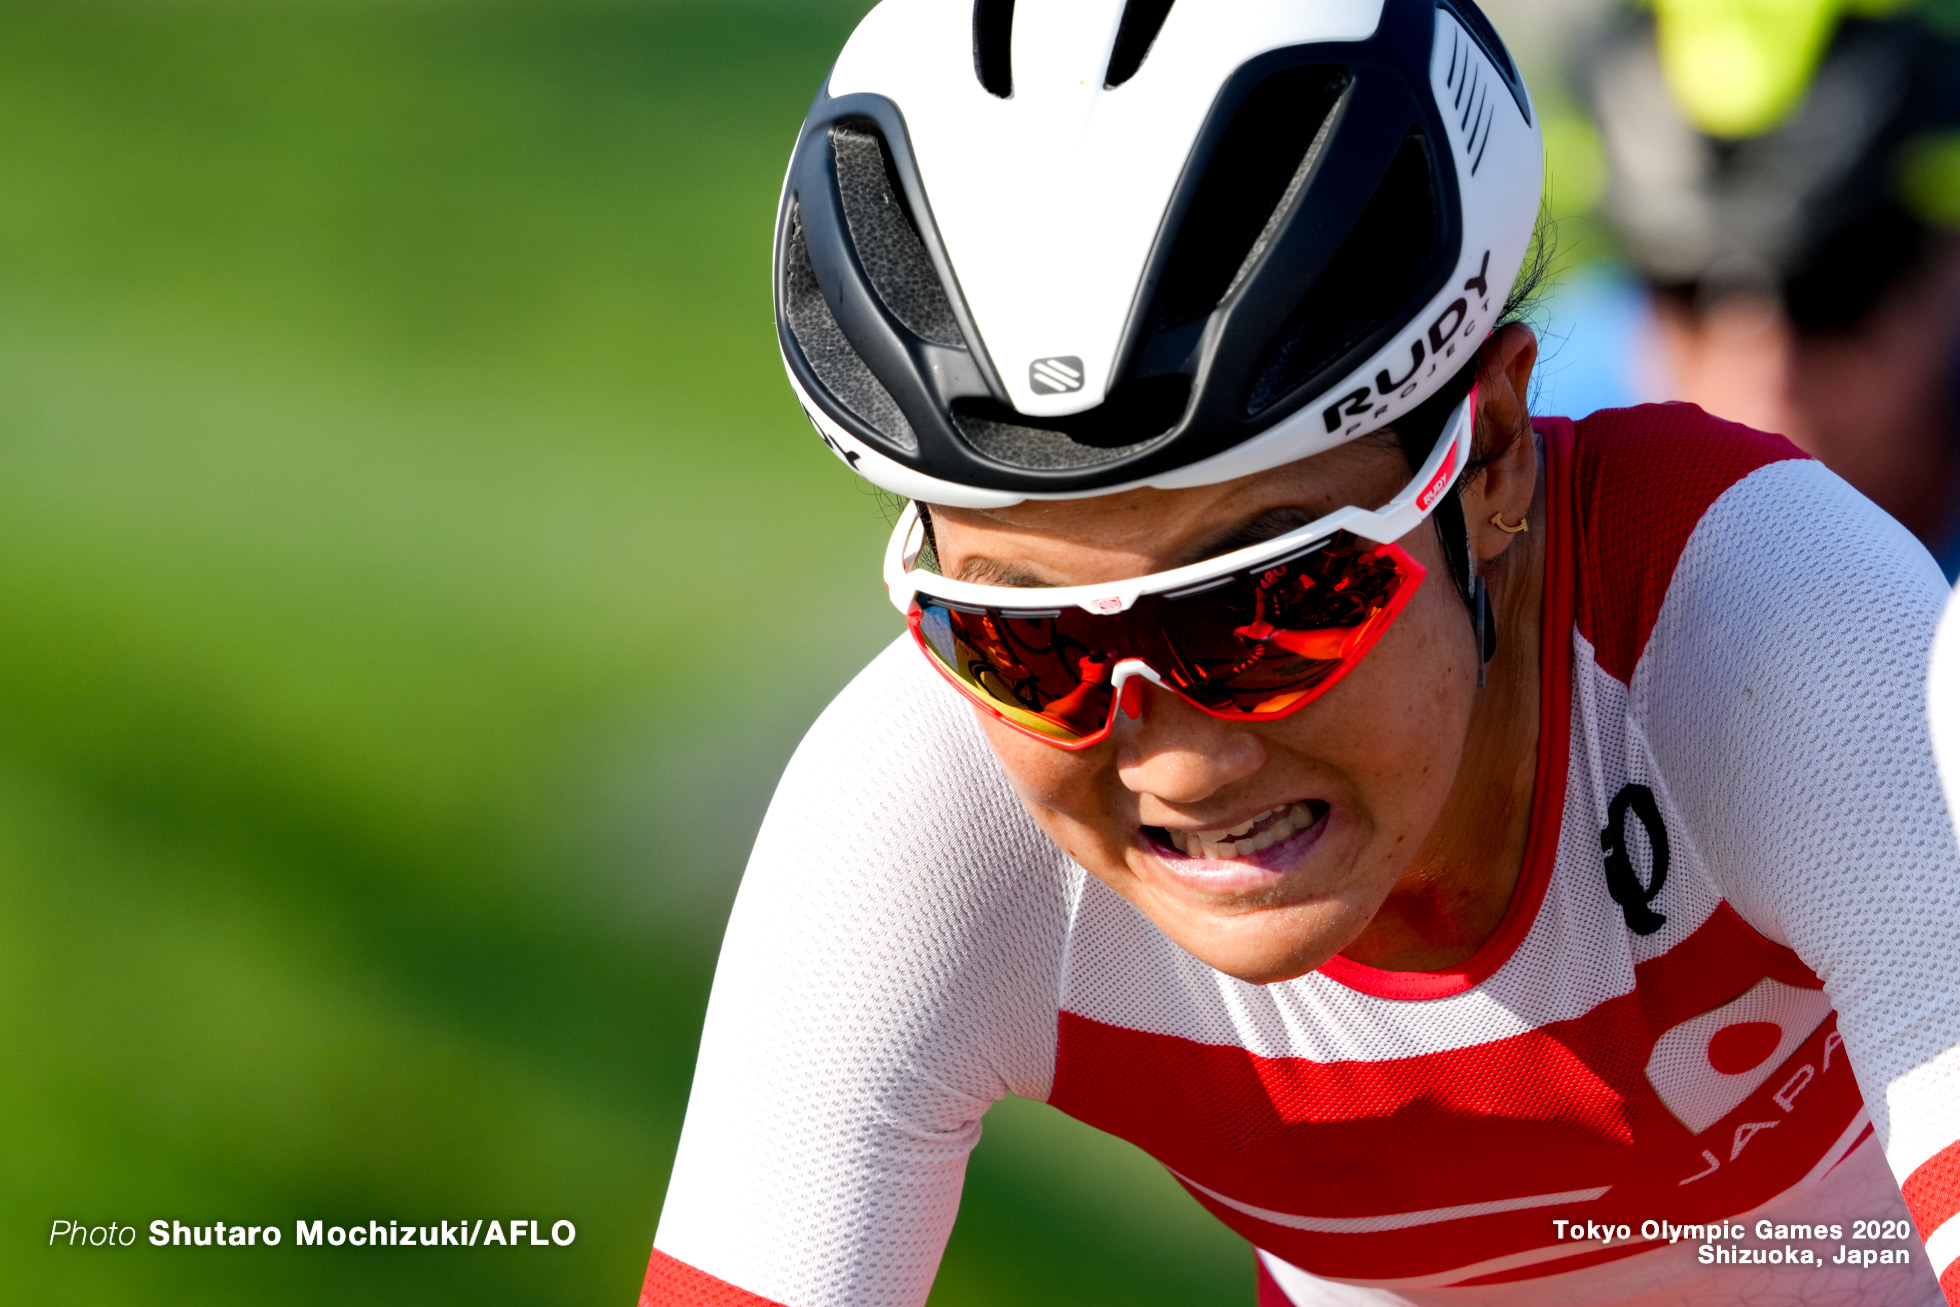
1484,861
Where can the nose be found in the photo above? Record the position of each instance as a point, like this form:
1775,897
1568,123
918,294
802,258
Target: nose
1180,754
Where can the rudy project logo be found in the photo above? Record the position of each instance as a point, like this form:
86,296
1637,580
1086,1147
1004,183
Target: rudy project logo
1056,376
1437,482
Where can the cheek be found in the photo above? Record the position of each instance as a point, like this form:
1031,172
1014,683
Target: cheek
1395,726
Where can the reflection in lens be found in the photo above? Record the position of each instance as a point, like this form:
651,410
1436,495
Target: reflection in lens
1023,668
936,627
1272,641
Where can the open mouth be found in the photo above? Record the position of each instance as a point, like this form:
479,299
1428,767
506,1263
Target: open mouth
1255,835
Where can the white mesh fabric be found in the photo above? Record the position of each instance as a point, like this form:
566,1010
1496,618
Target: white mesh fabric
890,971
1784,691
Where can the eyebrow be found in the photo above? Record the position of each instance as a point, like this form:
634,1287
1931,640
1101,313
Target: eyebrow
1269,525
989,571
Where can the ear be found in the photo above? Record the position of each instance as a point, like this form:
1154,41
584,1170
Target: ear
1505,485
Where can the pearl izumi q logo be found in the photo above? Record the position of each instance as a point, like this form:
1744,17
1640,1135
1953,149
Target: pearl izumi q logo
1056,376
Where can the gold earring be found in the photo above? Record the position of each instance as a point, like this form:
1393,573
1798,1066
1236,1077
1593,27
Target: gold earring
1497,520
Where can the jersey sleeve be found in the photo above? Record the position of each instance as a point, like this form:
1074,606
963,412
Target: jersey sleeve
889,971
1784,690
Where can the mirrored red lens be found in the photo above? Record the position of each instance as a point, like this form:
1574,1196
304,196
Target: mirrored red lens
1276,639
1250,645
1022,665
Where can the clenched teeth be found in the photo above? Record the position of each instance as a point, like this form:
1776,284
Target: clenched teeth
1239,840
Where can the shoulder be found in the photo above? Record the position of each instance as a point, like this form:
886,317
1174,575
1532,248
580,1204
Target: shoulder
891,968
897,761
896,858
1795,610
1766,634
1636,485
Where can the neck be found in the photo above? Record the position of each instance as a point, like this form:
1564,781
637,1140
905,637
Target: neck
1454,894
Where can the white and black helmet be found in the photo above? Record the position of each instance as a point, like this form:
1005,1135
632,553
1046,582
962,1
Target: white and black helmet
1062,247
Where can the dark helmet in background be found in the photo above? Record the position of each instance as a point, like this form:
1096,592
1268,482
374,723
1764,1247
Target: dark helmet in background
1807,150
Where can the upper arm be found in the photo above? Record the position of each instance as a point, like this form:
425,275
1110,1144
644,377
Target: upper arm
889,971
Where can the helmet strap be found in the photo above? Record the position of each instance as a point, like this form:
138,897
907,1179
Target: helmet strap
1454,535
1418,431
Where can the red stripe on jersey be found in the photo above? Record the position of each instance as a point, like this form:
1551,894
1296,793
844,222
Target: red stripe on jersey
1559,1110
1642,479
1933,1190
671,1282
1548,787
1950,1284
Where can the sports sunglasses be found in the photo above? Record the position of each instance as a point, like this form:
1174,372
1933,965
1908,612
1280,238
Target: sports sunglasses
1251,635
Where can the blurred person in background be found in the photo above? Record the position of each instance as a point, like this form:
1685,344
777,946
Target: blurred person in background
1785,175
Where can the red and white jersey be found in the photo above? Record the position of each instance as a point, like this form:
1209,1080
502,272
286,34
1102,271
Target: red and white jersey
1725,990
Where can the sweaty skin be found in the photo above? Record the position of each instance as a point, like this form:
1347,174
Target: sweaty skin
1423,780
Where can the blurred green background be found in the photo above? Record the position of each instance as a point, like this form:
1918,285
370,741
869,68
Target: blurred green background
401,518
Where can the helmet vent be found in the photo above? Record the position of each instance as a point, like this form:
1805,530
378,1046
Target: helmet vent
993,38
828,351
1134,417
1478,26
1386,256
1257,166
1142,20
887,237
